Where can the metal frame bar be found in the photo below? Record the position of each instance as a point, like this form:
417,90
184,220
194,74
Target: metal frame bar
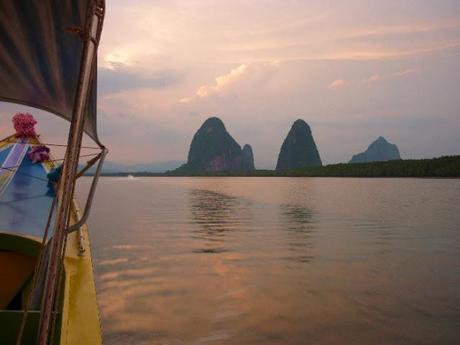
88,165
92,191
66,183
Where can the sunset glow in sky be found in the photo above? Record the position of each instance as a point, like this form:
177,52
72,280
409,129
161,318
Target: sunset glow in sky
354,70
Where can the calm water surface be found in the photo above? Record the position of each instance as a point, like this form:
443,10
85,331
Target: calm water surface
277,260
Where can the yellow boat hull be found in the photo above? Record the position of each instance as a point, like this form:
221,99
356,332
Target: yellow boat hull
80,314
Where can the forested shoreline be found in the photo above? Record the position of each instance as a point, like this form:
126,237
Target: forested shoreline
445,166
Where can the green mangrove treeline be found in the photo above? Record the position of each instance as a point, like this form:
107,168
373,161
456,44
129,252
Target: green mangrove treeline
446,166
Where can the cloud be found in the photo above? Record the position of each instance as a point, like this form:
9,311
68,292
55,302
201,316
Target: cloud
404,73
123,78
372,79
374,54
192,33
377,77
115,60
157,52
221,83
225,81
337,84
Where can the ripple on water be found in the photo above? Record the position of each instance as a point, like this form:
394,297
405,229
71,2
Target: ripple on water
278,261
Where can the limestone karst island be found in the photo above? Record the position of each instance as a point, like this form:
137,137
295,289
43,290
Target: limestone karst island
214,149
214,152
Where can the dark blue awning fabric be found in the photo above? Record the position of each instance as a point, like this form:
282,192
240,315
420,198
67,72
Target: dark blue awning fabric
40,56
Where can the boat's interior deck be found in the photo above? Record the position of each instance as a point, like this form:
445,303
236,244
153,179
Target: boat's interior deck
18,256
25,203
25,197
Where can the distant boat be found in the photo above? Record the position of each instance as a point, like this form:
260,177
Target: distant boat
48,61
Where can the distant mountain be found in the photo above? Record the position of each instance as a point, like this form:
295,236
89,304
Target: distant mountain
379,151
214,149
247,162
154,167
298,149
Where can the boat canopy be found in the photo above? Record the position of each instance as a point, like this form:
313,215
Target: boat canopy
40,56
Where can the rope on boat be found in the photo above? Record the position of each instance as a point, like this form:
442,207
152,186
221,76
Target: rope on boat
12,168
60,145
53,160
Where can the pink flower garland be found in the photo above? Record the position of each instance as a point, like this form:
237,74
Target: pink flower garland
24,125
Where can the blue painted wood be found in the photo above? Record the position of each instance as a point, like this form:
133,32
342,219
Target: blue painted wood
26,201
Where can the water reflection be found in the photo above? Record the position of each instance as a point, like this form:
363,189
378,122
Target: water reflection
277,261
297,221
216,214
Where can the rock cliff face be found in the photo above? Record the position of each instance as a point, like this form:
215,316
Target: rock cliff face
214,149
247,162
298,149
379,150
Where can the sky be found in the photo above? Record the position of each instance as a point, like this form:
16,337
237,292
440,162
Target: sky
353,70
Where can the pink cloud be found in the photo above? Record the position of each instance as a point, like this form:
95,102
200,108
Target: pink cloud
377,77
372,79
337,84
226,81
404,73
221,82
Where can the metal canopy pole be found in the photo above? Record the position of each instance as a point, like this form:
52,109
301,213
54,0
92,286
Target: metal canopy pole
90,35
